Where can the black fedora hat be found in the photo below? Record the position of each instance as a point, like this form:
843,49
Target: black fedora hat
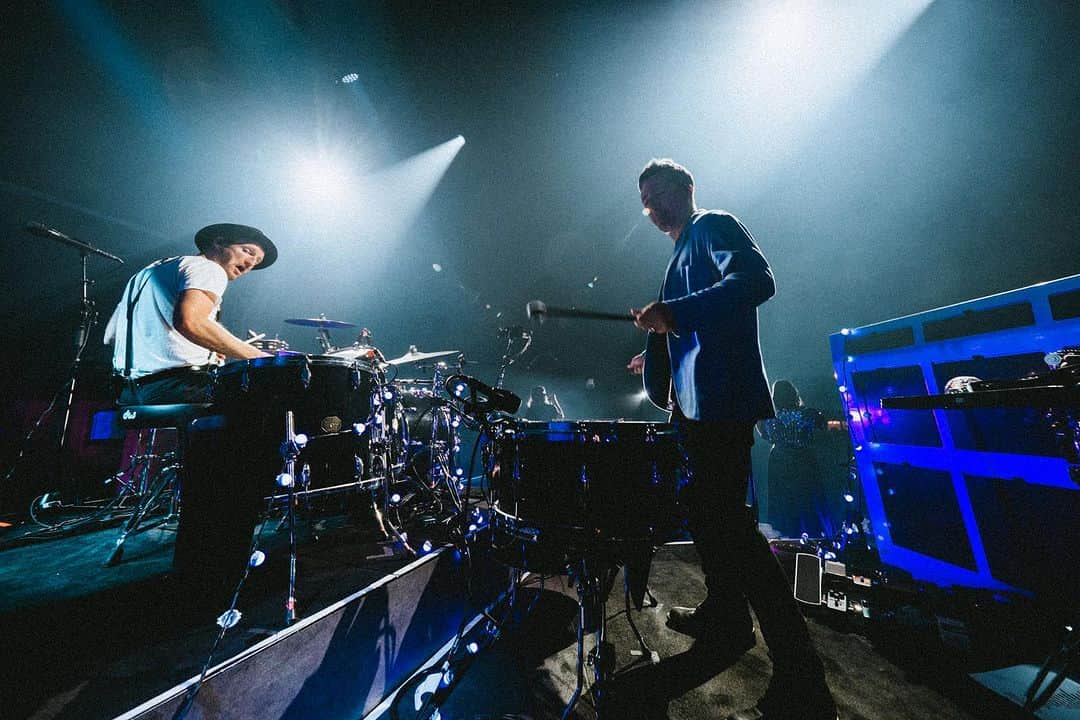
232,234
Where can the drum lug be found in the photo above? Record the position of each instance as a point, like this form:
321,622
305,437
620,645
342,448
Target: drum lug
355,378
245,379
305,373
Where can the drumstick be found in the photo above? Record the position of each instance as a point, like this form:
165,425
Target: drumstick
253,338
539,310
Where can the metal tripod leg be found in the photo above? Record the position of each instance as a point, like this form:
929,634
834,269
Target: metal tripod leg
590,588
148,494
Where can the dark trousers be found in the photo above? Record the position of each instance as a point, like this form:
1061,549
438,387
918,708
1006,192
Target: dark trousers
738,564
182,385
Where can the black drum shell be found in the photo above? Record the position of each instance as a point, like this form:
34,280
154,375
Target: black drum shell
327,395
566,488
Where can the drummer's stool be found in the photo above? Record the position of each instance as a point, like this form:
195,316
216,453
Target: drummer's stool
150,489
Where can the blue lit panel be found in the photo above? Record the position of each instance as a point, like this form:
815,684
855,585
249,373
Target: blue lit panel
906,493
1030,532
978,497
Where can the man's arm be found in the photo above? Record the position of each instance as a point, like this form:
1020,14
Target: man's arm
745,277
191,318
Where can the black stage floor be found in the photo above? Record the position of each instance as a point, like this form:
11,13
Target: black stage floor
79,640
530,673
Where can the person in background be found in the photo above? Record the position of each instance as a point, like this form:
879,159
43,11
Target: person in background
543,407
797,502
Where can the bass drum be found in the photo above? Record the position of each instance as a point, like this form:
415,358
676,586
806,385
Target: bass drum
565,490
233,457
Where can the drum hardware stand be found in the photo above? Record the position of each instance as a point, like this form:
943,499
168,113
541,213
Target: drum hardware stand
512,334
1053,672
165,481
305,482
290,449
644,649
590,583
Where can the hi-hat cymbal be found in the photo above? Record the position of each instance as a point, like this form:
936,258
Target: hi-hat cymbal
320,322
415,355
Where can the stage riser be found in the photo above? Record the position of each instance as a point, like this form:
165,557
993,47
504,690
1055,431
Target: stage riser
342,662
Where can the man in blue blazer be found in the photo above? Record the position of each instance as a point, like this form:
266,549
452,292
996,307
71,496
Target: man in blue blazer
704,338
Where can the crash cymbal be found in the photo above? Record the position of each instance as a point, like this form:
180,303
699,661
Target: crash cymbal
415,355
320,322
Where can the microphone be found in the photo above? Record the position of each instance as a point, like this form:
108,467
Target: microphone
479,397
35,228
536,310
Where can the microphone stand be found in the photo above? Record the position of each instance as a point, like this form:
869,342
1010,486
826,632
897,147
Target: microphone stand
87,319
509,357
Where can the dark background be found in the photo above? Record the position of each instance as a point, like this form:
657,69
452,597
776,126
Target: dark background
889,158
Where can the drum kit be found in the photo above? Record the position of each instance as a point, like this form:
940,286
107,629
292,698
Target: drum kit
581,498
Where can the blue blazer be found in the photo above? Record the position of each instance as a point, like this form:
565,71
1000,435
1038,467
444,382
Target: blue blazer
715,280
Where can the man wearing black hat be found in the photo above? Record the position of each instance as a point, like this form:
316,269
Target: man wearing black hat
165,330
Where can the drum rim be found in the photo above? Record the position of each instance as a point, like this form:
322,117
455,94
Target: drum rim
294,360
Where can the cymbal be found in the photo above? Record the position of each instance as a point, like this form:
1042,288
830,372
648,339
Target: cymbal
415,355
320,322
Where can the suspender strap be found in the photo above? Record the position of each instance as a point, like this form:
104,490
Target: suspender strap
133,298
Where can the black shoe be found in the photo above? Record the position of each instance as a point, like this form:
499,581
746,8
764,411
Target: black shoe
707,623
791,698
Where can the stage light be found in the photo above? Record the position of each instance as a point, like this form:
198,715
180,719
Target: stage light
842,388
322,183
395,498
388,394
459,471
848,497
436,267
473,648
350,78
257,558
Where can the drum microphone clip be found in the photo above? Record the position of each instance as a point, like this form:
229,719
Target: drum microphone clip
479,397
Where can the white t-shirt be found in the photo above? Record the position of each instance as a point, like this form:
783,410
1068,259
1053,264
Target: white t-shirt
155,341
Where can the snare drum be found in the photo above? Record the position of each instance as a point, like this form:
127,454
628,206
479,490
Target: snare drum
567,488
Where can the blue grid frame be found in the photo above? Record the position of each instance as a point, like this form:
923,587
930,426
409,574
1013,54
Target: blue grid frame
902,343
